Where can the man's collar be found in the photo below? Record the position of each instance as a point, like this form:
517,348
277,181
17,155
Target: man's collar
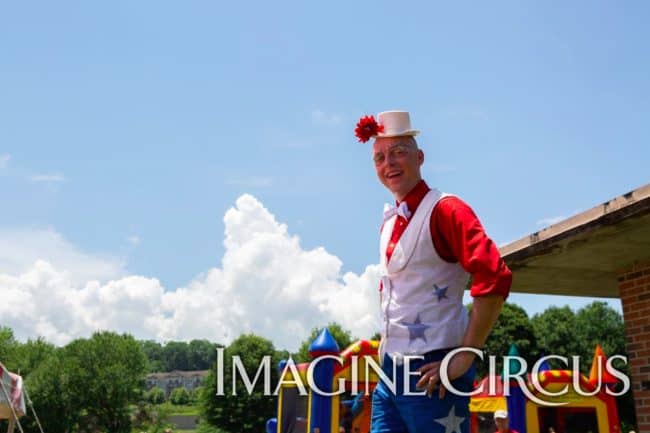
415,196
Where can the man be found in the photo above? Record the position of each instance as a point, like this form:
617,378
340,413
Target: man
502,422
431,243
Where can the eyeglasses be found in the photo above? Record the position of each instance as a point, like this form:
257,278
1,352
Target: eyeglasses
397,151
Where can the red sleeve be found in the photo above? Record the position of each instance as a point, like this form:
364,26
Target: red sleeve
458,236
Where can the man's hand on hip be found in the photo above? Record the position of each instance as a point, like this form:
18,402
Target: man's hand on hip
459,364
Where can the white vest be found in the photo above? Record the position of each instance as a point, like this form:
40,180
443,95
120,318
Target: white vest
422,295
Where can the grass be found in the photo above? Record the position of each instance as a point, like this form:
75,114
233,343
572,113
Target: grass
181,409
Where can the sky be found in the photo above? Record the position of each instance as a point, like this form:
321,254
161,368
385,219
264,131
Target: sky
184,170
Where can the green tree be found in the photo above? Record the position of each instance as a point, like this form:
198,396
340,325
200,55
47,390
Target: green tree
156,395
155,357
195,394
179,355
598,323
201,354
283,354
512,326
106,375
8,346
49,389
562,332
342,336
176,356
179,396
31,354
557,333
243,412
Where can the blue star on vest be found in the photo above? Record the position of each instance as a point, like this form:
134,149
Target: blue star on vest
416,329
440,292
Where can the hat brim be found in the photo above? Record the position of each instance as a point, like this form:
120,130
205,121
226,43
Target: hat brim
407,133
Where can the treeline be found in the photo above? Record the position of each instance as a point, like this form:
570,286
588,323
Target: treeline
179,355
558,331
97,384
89,385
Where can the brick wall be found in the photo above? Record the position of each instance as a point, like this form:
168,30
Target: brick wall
634,289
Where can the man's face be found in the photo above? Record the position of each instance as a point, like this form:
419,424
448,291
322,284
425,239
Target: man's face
502,424
397,162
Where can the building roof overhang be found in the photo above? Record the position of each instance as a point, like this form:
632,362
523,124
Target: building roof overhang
582,255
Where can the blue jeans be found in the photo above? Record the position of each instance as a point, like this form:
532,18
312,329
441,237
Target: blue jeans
399,413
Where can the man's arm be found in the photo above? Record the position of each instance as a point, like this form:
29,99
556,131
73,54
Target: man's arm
485,312
458,236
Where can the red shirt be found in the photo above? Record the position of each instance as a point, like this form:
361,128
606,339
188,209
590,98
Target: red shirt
458,236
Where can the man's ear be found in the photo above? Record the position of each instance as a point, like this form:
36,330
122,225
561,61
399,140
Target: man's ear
420,156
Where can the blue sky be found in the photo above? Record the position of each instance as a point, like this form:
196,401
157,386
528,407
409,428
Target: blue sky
128,129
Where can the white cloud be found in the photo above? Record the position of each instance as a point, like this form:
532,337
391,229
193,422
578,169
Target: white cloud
267,284
319,117
549,221
47,178
20,248
4,160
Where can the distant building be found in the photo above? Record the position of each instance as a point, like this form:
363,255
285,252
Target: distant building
189,380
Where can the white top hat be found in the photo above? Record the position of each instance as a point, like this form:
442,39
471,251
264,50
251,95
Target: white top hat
500,414
396,124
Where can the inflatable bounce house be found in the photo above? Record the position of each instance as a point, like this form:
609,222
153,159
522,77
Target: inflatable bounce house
316,412
304,411
595,413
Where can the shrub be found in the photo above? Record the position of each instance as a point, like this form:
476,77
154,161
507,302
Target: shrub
156,395
179,396
195,394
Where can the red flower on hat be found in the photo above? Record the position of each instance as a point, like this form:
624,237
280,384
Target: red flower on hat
367,127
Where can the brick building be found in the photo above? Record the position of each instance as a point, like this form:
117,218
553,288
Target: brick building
189,380
602,252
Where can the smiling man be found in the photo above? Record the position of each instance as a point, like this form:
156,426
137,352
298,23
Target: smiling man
431,244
